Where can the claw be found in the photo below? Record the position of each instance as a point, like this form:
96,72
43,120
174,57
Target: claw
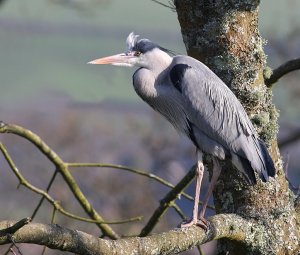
201,222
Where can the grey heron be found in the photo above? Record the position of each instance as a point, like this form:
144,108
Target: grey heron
198,104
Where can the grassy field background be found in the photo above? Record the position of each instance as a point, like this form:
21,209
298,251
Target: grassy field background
45,45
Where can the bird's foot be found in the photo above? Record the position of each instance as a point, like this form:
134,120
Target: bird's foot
201,222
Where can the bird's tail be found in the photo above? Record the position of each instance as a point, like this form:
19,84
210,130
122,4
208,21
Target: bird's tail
258,161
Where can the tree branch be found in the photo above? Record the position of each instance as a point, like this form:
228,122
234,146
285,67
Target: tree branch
170,5
15,227
167,202
138,172
62,167
43,198
282,70
52,201
174,241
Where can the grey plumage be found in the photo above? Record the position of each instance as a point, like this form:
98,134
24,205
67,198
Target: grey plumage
198,104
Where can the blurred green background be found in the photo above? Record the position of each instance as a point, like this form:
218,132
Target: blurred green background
91,113
45,44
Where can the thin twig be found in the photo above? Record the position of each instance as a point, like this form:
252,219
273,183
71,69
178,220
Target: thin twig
136,171
199,248
52,221
53,215
179,211
282,70
15,245
167,201
52,201
44,250
63,169
9,231
129,169
42,198
170,6
14,228
12,251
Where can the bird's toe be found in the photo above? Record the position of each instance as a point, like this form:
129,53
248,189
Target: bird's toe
188,223
201,222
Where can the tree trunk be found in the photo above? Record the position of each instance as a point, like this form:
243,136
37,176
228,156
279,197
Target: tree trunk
224,35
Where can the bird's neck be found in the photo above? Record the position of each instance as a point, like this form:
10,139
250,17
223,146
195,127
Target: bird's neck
161,62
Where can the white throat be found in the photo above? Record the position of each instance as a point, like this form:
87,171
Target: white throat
159,61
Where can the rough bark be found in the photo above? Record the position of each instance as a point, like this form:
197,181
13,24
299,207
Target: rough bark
224,35
173,241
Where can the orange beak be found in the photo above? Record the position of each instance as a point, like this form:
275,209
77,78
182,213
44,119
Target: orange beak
119,60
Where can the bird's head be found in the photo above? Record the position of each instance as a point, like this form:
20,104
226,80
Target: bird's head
138,53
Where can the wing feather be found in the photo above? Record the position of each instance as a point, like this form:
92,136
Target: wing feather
213,108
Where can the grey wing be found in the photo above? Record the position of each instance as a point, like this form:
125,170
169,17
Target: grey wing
214,111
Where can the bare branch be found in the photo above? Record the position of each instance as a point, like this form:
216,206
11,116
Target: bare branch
174,241
170,5
43,198
167,202
63,169
52,201
12,251
136,171
282,70
179,211
15,227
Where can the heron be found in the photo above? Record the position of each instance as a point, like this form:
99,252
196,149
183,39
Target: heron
201,106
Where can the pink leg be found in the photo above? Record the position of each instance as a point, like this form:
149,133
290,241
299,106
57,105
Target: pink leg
199,176
214,179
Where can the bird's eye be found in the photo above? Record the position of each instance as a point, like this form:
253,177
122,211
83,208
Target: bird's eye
137,53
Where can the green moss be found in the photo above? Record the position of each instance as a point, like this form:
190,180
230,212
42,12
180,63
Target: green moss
267,72
270,129
261,119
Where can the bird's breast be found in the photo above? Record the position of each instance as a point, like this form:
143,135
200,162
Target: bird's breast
162,98
144,84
